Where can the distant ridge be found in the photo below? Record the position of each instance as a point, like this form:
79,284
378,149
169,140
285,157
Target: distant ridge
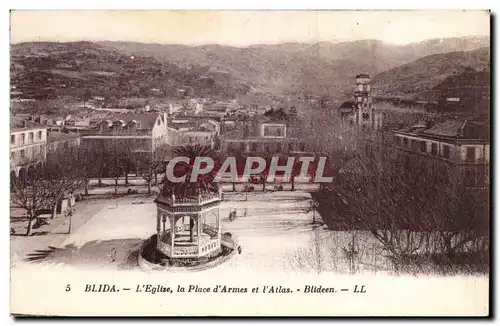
322,68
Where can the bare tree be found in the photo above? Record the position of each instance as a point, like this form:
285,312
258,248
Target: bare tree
65,171
89,164
147,169
119,153
313,256
33,194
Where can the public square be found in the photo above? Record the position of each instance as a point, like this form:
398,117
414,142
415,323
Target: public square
274,228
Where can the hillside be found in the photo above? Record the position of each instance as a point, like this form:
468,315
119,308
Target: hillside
471,87
114,70
55,70
295,68
424,74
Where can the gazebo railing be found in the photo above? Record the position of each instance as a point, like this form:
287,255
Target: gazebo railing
190,201
190,251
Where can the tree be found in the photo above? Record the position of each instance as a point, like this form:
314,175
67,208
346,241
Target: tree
33,194
119,153
149,164
146,168
413,208
65,169
89,163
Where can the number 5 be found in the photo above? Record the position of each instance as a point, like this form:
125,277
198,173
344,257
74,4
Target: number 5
68,288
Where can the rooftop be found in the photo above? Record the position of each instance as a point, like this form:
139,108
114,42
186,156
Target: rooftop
145,120
451,128
19,124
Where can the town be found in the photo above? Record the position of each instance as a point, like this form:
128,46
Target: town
389,183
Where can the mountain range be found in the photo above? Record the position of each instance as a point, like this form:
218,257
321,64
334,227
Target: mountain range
321,69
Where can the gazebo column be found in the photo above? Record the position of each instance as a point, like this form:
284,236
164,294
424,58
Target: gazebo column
158,228
172,233
218,222
198,224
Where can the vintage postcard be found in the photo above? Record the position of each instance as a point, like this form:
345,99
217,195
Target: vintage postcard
250,163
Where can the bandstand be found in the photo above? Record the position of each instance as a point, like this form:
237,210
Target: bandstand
189,227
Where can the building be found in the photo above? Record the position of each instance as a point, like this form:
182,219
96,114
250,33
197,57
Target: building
57,139
193,107
460,144
193,130
261,134
143,132
361,111
220,109
27,146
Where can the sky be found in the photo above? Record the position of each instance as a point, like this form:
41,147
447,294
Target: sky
242,28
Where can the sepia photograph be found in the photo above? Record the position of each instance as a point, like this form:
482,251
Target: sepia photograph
250,163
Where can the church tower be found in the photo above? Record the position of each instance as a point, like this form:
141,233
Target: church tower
365,114
361,111
362,97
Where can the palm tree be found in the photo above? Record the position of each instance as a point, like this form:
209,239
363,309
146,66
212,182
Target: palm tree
204,183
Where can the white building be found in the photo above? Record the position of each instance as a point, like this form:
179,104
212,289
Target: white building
461,144
28,141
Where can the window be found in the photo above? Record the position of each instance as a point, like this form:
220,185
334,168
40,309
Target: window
471,154
278,147
254,147
274,131
405,142
23,153
39,135
423,146
242,147
365,116
30,137
302,147
434,148
22,139
12,139
446,151
290,147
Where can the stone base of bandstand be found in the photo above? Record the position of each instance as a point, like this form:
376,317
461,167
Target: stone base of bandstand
151,259
204,245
